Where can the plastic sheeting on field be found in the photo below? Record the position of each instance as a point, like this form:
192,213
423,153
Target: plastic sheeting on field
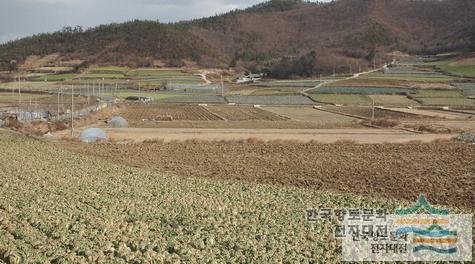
93,135
117,121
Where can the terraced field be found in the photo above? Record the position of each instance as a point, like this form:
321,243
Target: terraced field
43,101
243,113
342,99
289,83
195,98
411,77
137,113
309,114
366,112
468,88
392,100
443,98
270,100
361,90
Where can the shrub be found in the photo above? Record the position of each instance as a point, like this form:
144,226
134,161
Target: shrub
382,122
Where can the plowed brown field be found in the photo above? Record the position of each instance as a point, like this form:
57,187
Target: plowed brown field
243,113
444,172
139,112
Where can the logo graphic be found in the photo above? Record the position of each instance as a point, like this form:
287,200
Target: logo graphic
435,237
421,232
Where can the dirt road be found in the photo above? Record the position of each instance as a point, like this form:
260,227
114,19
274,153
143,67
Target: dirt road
301,135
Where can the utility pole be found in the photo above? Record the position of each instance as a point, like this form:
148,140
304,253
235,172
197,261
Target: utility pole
19,91
372,110
57,113
222,86
72,110
13,89
62,98
334,72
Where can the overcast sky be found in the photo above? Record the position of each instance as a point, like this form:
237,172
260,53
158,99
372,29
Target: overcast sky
19,18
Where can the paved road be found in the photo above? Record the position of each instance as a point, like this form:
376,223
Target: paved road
354,76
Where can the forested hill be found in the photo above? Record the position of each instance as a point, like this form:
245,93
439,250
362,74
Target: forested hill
278,31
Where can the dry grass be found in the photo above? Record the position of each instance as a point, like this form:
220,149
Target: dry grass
431,129
443,141
382,122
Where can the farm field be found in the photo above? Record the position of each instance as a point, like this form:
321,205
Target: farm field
442,98
43,101
464,70
243,113
195,98
368,170
361,90
309,114
434,101
288,83
360,82
461,125
342,99
468,88
410,77
278,91
392,100
431,113
154,96
32,86
270,100
460,67
77,208
366,112
137,113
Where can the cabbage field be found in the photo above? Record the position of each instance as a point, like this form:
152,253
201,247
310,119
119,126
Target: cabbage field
270,100
71,208
362,90
468,89
195,98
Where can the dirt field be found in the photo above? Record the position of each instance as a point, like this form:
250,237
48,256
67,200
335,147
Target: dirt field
301,135
453,125
366,112
432,113
242,113
310,114
43,101
389,170
137,113
393,100
228,116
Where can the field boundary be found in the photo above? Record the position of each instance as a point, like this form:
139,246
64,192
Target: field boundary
344,114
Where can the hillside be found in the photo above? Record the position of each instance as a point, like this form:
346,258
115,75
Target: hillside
339,33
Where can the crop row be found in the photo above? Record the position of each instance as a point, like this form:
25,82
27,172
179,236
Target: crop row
363,90
139,112
195,98
71,208
270,100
